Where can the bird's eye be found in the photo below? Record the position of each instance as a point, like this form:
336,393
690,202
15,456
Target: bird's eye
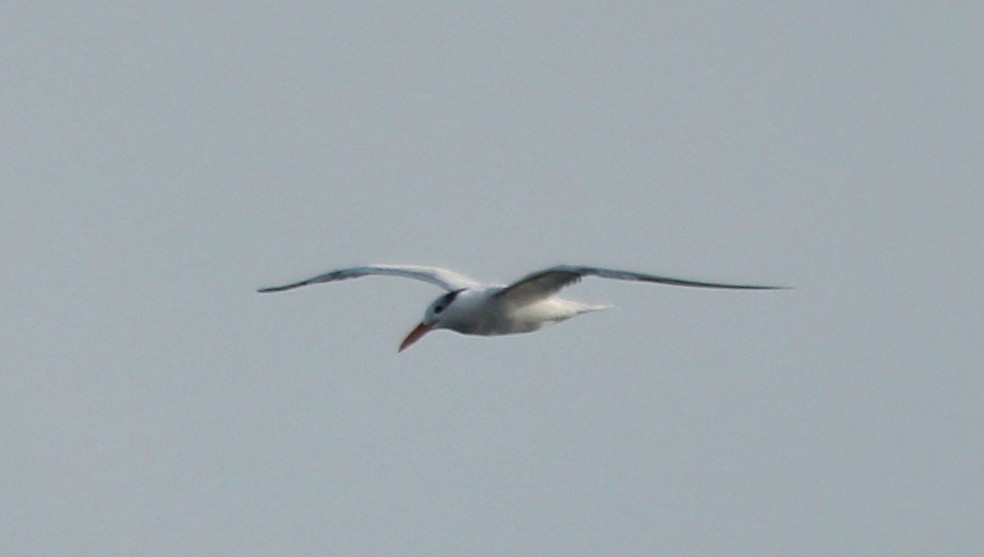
438,308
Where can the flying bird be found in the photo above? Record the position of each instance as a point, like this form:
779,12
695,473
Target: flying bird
472,308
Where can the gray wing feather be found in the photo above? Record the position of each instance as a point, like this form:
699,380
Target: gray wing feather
548,282
448,280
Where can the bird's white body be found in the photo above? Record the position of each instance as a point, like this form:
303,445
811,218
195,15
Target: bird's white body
477,311
526,305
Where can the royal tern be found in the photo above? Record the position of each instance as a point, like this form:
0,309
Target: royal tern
473,308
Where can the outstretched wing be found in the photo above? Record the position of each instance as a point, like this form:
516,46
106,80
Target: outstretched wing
548,282
448,280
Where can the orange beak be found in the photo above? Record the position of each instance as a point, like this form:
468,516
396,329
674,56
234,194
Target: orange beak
414,336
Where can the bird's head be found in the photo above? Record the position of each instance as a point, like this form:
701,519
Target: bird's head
434,318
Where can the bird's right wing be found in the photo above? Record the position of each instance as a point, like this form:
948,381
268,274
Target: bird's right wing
548,282
448,280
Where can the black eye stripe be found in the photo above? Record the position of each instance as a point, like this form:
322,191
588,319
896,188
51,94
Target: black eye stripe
445,300
450,296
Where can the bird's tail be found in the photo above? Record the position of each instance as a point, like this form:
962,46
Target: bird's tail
586,308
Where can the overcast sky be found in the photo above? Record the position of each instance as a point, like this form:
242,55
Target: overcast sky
160,162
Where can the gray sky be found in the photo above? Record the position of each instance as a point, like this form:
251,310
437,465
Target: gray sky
161,162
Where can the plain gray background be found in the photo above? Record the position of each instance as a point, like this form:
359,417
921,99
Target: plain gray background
159,163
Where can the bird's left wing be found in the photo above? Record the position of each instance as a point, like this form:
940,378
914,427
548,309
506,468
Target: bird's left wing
448,280
548,282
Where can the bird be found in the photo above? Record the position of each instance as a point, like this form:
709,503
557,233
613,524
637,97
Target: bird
472,308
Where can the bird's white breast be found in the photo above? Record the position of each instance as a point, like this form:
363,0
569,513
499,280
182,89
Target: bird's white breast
480,312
